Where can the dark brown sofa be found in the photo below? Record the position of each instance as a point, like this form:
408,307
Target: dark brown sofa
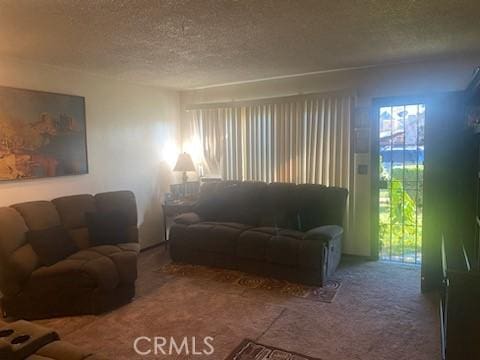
90,281
281,230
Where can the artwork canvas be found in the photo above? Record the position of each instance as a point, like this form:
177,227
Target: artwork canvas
41,134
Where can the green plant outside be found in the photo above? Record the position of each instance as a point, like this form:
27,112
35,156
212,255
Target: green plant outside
401,205
410,184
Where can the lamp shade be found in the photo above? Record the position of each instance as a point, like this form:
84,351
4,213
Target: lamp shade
184,163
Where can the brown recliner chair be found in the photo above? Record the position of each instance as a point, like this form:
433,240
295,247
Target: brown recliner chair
281,230
92,280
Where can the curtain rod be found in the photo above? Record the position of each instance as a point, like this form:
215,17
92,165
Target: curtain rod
268,100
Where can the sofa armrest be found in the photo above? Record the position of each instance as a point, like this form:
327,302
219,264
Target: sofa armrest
324,233
188,218
329,238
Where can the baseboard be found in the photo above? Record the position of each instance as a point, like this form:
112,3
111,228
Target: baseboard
359,257
161,243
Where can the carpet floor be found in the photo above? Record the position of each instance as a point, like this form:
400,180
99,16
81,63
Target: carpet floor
378,313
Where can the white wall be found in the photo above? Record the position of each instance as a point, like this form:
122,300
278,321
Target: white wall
128,129
394,80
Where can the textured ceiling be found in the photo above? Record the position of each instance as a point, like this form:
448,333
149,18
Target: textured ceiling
193,43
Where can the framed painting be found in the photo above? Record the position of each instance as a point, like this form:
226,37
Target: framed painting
41,134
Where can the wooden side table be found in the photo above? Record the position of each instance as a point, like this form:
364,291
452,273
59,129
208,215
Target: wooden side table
172,209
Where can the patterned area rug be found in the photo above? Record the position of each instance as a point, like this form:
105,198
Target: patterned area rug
322,294
250,350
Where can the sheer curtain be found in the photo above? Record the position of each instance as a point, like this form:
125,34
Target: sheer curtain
302,139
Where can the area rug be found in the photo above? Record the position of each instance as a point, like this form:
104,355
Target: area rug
324,294
251,350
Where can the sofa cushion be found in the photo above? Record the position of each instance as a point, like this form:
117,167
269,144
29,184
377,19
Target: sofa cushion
282,246
282,250
211,199
99,267
216,237
107,228
118,200
259,243
80,237
320,205
72,209
38,215
280,206
124,258
51,245
242,203
252,244
13,232
85,269
231,201
68,273
126,263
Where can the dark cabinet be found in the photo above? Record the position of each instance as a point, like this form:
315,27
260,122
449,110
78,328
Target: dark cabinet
460,293
459,305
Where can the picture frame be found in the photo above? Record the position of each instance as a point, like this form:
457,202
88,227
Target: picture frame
42,134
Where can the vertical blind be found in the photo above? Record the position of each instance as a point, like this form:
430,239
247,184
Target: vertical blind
305,139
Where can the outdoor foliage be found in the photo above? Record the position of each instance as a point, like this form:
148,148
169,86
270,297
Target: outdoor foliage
400,219
410,184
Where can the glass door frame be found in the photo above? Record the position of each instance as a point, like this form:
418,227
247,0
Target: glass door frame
374,162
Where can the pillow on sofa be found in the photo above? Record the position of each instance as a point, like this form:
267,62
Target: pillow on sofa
51,245
107,228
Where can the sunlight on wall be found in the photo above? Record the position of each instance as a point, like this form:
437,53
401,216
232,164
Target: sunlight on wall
194,148
168,152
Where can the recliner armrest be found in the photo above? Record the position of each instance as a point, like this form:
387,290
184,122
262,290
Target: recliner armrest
188,218
324,233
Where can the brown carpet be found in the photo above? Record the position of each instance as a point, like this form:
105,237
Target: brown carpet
379,314
323,294
251,350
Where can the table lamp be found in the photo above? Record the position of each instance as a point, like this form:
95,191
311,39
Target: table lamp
184,164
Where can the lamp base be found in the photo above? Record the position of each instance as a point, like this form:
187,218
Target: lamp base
184,179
